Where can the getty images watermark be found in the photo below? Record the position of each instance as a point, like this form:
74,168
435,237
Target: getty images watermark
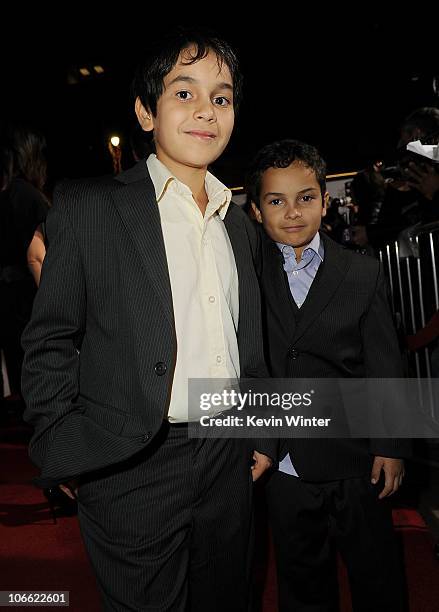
321,408
230,399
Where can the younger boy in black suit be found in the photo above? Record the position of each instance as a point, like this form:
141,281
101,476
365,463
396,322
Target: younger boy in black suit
326,316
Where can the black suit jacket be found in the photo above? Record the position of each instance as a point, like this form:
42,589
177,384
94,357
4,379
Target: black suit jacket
344,329
105,290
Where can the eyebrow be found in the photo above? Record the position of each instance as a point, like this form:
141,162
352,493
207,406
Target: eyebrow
272,193
308,189
187,79
277,194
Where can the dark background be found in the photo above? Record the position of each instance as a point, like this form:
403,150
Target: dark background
342,82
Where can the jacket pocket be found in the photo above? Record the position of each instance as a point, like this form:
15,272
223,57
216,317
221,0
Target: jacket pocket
105,416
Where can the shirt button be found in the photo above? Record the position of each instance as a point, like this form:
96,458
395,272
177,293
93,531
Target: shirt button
211,299
219,359
293,353
160,368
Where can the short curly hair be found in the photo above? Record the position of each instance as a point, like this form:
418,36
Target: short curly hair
281,154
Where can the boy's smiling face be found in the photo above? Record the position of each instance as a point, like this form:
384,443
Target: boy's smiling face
195,113
291,206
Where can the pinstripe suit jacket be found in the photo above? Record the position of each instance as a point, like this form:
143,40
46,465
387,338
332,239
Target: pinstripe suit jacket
105,290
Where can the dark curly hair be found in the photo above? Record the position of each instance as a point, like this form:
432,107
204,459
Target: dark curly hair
282,154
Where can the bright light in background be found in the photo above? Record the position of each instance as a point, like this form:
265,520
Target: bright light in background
82,73
116,153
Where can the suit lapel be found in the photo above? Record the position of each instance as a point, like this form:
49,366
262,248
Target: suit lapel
241,251
137,206
329,276
276,289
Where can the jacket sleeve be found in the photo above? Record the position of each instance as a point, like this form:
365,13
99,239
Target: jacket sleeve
51,363
382,359
266,446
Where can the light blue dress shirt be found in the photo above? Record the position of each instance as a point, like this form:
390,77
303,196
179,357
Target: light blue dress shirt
300,278
301,275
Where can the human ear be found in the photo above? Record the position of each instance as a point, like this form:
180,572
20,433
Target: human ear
144,116
325,203
257,213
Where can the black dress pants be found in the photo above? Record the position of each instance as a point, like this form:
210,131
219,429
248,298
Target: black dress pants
308,519
169,529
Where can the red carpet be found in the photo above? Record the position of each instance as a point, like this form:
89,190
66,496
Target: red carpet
36,554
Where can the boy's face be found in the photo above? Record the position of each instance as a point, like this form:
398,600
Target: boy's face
195,113
291,207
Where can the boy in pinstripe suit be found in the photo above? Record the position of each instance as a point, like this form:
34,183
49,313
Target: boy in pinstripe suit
150,275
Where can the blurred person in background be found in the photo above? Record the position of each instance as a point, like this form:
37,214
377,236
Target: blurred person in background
23,210
392,199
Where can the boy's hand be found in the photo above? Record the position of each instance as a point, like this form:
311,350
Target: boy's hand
393,474
261,464
424,178
70,489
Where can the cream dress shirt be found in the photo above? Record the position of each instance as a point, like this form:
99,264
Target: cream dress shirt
204,284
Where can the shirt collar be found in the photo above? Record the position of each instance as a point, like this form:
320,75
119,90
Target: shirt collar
219,195
315,245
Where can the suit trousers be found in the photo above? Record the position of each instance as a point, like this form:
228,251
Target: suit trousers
310,520
169,529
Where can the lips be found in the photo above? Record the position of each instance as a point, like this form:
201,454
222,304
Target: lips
293,228
201,134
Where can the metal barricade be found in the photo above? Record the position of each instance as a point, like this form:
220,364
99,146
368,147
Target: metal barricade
411,264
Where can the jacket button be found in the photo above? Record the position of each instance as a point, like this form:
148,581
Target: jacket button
160,368
293,353
146,436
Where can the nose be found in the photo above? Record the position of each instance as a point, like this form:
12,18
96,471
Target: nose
205,110
292,211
